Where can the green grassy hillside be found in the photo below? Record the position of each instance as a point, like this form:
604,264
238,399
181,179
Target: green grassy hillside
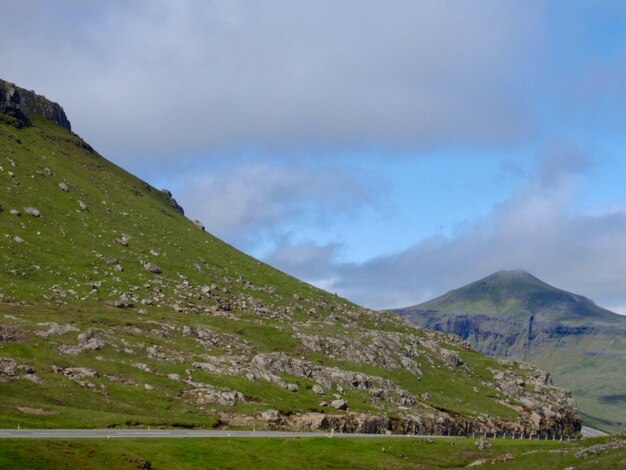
116,310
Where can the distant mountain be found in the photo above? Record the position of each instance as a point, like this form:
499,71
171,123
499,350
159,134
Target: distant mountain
117,310
513,314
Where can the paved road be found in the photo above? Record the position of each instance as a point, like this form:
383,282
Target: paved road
161,433
591,432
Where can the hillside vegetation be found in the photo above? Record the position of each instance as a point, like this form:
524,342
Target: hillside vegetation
116,310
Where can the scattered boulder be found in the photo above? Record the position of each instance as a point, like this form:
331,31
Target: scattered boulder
339,404
78,375
199,224
317,388
64,187
90,340
499,459
76,372
483,443
151,267
32,211
600,449
123,303
123,240
15,212
83,206
209,394
451,358
56,329
271,416
11,369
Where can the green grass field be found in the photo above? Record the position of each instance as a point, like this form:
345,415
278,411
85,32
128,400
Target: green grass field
299,453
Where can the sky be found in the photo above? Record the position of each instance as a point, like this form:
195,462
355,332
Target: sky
386,151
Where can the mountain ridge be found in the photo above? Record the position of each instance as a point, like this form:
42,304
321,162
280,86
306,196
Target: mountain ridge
514,314
512,292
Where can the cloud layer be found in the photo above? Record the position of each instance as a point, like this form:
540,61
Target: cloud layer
253,201
165,78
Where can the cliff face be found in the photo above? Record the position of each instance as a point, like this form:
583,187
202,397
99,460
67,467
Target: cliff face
17,105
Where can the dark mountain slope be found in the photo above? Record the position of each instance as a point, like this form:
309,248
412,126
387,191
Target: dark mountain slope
513,314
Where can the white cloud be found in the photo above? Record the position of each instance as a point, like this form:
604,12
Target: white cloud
253,201
534,230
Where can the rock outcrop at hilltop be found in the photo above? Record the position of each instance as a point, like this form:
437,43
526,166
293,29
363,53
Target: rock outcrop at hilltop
19,104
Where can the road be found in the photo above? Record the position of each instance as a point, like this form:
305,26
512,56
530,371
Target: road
591,432
176,433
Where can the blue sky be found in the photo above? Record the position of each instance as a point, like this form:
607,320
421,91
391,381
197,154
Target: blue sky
385,151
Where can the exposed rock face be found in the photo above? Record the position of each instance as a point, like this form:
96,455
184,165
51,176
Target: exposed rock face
601,448
171,201
19,104
433,423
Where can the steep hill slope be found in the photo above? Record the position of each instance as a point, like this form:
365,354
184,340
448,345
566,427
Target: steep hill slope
116,310
512,314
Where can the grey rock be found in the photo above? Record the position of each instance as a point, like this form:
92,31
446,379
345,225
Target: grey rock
451,358
56,329
151,267
483,443
32,211
271,416
601,448
339,404
64,187
124,240
318,389
90,340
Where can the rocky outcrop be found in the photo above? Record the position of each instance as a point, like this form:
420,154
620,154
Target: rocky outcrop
601,449
433,423
19,105
171,201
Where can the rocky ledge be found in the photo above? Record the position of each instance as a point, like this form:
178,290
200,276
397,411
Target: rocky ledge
18,105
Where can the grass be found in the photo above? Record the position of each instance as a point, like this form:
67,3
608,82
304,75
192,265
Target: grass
296,453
